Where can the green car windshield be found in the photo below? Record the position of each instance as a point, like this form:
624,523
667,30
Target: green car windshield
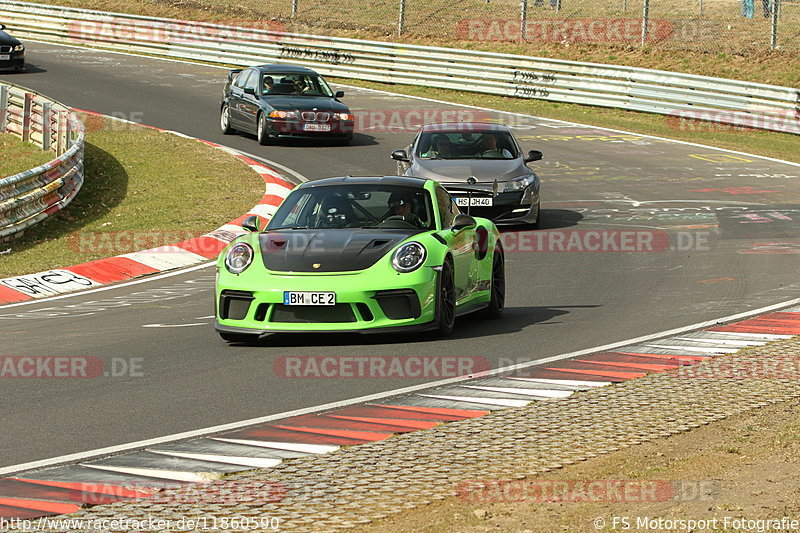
276,83
355,206
467,145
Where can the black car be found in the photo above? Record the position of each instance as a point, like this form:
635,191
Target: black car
481,165
12,52
284,102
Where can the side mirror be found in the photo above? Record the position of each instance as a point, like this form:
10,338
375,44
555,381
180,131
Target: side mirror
400,155
250,90
533,155
463,221
251,224
338,94
2,27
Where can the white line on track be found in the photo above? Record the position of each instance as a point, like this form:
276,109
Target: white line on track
111,450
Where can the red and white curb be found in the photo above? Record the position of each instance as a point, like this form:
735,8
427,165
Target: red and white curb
203,459
154,260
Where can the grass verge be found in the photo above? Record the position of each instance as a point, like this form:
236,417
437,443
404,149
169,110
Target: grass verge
142,188
16,156
743,467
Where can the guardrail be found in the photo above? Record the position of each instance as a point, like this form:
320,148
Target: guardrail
31,196
729,102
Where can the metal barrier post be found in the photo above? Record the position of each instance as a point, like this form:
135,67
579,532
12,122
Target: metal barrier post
294,8
47,114
645,21
3,108
61,144
26,117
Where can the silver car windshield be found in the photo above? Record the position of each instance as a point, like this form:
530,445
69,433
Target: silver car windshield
276,83
467,145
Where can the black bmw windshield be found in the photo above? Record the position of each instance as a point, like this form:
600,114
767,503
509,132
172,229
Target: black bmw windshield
355,206
276,83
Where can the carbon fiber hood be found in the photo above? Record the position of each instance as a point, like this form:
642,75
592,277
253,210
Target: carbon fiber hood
334,250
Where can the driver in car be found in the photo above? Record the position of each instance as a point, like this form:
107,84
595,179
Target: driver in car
401,207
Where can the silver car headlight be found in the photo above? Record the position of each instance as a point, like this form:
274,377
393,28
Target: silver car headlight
239,258
519,184
19,48
409,257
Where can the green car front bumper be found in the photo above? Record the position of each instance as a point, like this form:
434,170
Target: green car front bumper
366,301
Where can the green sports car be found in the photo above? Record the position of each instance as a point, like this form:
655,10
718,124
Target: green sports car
360,254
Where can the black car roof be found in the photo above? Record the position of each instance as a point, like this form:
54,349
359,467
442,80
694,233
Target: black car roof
284,69
464,126
368,180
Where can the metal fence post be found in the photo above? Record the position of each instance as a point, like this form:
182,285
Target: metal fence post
294,8
645,20
775,5
402,18
26,117
47,113
3,108
523,20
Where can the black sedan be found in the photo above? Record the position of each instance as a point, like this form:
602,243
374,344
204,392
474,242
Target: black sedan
481,165
284,102
12,52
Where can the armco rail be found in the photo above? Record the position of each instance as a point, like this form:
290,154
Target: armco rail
732,102
31,196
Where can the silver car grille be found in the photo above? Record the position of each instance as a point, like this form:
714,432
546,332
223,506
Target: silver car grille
315,116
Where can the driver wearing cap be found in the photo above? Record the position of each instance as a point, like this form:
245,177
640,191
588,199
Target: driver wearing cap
401,206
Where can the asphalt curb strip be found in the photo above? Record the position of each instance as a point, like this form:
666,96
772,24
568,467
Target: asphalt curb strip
154,260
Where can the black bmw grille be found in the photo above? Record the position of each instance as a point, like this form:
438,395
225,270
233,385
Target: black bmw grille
312,116
5,49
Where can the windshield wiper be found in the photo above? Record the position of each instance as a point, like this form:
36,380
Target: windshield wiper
288,227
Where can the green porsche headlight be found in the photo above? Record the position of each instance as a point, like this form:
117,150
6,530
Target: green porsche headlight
409,257
239,258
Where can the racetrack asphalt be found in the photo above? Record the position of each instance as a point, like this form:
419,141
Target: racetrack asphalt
731,220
